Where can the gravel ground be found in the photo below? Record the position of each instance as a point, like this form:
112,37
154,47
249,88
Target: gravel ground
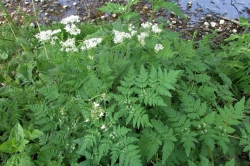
199,19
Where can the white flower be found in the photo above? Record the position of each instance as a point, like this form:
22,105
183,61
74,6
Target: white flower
46,35
158,47
156,29
103,127
72,29
141,37
146,25
101,114
96,105
91,43
69,45
70,19
131,29
120,36
53,40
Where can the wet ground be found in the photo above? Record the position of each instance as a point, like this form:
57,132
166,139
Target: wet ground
202,15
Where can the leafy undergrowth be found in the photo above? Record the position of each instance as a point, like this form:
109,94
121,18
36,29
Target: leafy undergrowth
123,94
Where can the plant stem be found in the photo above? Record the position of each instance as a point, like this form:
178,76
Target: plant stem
13,28
34,8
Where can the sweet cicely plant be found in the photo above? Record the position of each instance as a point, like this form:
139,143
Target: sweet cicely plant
124,94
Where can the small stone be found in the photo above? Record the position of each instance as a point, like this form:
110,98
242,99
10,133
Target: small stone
113,15
65,6
32,25
26,3
206,23
208,15
46,14
213,24
234,30
56,3
222,22
189,4
173,22
202,18
219,29
74,3
103,17
45,19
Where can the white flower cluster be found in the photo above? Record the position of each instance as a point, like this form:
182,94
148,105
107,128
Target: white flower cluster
141,37
44,36
70,20
97,112
70,26
72,29
131,28
158,47
69,45
146,25
120,36
154,27
91,43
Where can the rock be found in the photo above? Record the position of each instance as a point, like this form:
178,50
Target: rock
65,6
74,3
234,30
222,21
45,19
213,24
206,24
32,25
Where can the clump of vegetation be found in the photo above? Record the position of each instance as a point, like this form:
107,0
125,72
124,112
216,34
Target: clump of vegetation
126,93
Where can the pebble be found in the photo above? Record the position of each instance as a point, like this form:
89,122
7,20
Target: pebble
173,22
190,4
234,30
32,25
74,3
213,24
222,21
113,15
202,18
206,23
65,6
45,19
26,3
103,17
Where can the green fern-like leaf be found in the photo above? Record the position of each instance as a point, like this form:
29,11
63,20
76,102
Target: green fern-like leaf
139,117
141,80
189,141
232,115
50,92
149,143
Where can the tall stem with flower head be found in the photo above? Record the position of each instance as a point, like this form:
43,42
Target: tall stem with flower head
34,8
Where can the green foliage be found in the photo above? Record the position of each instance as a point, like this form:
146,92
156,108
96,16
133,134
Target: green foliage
125,102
